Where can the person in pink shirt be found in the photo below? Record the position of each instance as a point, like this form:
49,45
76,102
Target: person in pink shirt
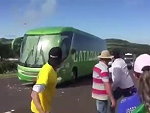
101,88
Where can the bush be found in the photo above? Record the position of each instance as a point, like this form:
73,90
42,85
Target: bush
7,66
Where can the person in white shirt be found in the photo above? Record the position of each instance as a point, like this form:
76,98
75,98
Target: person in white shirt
122,82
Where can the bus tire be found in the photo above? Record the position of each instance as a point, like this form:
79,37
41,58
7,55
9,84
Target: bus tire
74,74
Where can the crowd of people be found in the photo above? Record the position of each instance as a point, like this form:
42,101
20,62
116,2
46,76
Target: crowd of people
109,84
121,85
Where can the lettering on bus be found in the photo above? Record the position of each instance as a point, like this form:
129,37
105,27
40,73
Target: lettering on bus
81,56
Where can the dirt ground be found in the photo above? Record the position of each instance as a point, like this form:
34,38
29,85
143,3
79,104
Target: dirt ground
70,97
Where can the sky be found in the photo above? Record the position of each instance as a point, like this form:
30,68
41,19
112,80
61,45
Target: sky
122,19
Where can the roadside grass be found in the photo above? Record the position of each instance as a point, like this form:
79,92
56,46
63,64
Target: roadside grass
8,75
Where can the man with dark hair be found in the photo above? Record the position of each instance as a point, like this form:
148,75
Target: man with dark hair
117,53
44,89
122,82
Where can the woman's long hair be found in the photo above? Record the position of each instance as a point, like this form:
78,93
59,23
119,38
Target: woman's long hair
144,87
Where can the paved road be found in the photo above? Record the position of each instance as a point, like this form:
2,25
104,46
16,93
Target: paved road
13,96
70,98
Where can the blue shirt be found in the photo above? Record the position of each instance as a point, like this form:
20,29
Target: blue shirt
128,104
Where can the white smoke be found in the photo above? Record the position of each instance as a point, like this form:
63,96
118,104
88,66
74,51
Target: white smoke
37,11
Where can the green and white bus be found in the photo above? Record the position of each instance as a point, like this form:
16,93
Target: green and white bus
80,51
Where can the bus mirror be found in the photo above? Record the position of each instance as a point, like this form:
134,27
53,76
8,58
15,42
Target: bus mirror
73,51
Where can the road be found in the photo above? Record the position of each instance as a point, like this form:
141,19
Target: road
70,97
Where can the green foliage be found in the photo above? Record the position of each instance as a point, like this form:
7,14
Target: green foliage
16,44
5,51
8,75
7,66
6,48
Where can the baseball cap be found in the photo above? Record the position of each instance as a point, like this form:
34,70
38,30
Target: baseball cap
140,62
55,56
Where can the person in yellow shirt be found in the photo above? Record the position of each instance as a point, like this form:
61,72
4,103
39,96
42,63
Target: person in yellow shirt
44,89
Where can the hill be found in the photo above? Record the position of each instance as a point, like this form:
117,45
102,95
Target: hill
5,41
126,46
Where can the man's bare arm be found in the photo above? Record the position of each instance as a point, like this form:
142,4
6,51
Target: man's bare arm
109,91
36,100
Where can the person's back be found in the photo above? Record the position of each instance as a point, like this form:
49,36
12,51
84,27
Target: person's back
44,89
120,74
123,84
47,77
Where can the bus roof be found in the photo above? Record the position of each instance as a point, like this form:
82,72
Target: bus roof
49,30
54,30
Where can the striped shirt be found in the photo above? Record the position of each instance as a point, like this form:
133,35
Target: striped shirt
100,75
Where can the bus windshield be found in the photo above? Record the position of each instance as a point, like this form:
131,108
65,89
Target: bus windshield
35,48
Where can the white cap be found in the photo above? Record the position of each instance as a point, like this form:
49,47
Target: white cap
140,62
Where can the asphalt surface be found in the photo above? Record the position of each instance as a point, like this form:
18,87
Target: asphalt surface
70,97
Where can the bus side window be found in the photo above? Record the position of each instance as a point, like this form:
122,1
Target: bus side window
66,43
64,50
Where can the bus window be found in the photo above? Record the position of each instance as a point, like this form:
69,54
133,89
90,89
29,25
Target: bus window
66,44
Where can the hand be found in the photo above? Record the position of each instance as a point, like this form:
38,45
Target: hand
45,112
42,111
113,102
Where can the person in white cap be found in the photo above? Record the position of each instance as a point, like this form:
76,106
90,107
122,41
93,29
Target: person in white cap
101,88
140,102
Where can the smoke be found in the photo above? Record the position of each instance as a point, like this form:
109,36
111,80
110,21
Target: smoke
37,11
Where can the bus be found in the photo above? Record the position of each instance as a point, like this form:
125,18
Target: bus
79,52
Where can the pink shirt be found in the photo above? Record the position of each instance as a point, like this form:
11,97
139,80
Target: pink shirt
100,75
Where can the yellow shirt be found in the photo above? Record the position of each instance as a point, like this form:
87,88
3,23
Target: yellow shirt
47,77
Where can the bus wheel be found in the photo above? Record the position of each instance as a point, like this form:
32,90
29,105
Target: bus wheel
74,75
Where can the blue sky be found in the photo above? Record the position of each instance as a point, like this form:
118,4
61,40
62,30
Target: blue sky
124,19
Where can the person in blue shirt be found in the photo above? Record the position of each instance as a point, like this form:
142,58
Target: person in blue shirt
139,102
128,104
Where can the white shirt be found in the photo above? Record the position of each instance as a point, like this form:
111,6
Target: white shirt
38,88
120,74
